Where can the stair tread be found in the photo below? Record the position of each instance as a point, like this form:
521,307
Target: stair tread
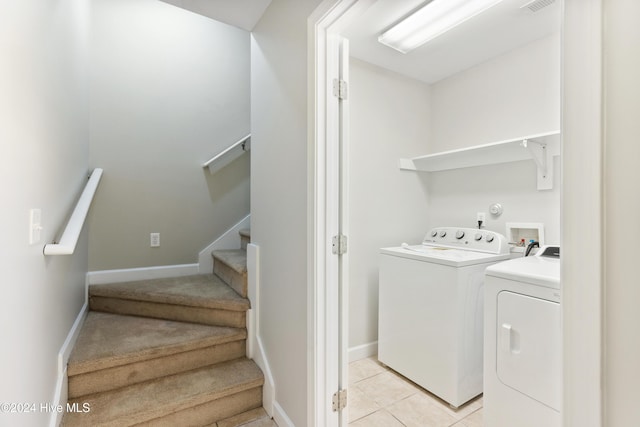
245,232
207,291
234,258
107,340
255,418
154,399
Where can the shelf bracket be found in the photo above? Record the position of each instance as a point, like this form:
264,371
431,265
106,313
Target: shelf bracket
544,162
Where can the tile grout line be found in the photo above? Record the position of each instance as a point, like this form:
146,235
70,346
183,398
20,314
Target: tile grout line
367,378
459,422
396,418
364,416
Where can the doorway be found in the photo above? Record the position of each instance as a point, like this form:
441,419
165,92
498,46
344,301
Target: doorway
432,217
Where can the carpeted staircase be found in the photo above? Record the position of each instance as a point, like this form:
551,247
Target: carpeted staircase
168,352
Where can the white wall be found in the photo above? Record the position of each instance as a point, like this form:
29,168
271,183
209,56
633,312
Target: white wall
456,196
279,194
387,206
170,89
512,95
44,156
392,117
516,94
622,211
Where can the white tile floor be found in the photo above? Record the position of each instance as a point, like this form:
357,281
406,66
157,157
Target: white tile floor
380,397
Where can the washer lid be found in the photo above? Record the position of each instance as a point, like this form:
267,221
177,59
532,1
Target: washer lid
536,270
445,256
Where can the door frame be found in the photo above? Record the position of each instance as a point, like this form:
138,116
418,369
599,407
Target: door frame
324,189
582,271
581,207
328,337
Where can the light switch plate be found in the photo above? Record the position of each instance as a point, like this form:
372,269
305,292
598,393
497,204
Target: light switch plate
35,226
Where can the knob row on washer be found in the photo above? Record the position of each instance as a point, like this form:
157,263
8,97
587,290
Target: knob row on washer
460,234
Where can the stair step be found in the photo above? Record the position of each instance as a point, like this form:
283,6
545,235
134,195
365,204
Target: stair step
245,238
231,266
254,418
204,299
194,398
114,351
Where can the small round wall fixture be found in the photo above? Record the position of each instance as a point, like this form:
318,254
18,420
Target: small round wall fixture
495,209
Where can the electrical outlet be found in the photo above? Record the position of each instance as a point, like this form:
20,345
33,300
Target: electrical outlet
155,240
481,216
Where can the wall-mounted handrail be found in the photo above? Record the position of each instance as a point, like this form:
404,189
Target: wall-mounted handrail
225,157
67,243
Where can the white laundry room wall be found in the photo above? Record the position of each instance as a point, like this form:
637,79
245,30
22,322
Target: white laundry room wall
513,95
393,117
389,119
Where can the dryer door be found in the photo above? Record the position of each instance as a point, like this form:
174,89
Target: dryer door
528,346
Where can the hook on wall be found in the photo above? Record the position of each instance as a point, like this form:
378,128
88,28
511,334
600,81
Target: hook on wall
495,209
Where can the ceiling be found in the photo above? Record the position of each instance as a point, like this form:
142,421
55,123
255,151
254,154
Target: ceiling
239,13
496,31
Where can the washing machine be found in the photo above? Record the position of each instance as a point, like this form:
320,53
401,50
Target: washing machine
430,323
523,339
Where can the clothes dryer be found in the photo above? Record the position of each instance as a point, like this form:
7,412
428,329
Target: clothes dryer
523,338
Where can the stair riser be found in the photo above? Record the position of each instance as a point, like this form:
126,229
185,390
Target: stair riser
244,241
200,411
134,373
205,316
245,237
211,412
238,282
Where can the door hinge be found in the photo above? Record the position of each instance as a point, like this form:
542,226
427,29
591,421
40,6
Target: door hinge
339,400
340,88
339,244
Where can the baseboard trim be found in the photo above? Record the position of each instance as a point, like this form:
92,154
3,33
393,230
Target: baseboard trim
268,389
255,349
145,273
363,351
61,390
280,416
229,240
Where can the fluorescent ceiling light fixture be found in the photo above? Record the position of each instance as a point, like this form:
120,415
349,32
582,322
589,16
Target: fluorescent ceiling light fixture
432,20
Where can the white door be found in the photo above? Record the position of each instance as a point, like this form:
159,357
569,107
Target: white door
328,363
337,116
529,338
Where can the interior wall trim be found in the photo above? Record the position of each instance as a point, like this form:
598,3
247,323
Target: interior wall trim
363,351
60,395
103,277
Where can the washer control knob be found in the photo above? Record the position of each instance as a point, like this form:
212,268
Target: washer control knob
478,237
443,233
490,238
434,233
459,234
